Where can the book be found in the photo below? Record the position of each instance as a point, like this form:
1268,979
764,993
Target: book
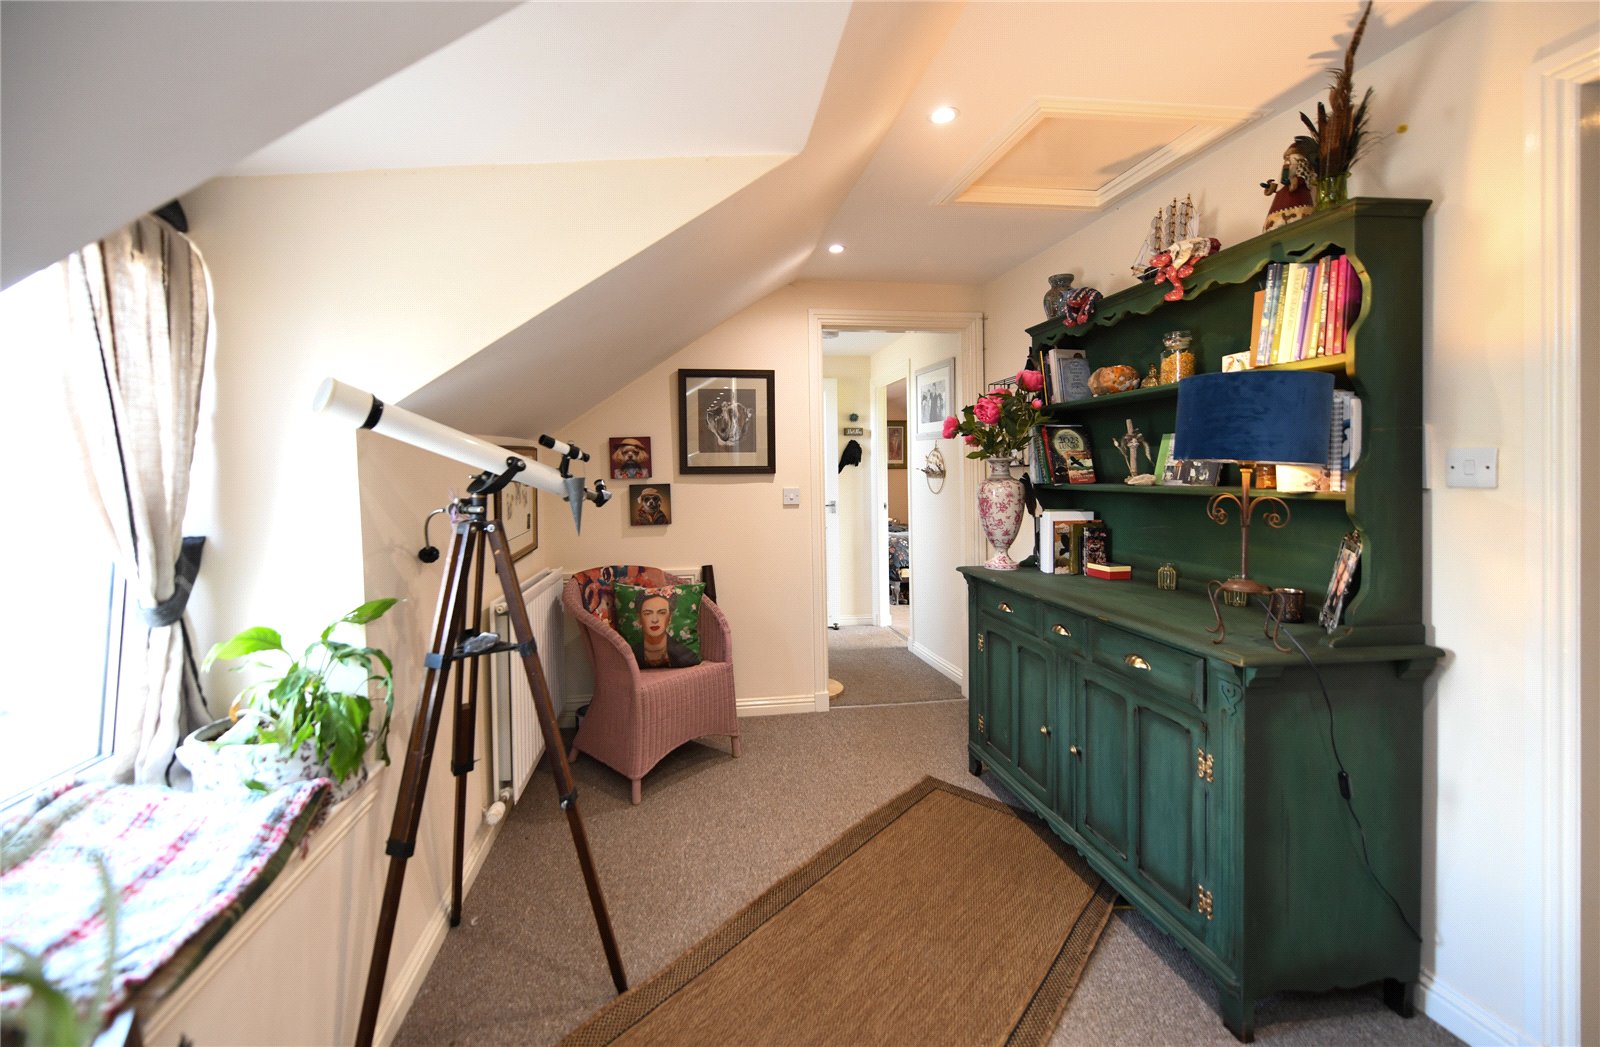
1289,313
1096,543
1071,454
1066,546
1272,295
1258,306
1308,290
1163,455
1311,344
1351,308
1236,362
1072,374
1111,572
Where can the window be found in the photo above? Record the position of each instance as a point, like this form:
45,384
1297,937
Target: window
58,708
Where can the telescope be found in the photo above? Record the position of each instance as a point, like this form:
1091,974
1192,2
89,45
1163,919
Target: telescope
500,466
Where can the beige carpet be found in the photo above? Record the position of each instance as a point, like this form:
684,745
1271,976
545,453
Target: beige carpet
866,941
713,833
877,669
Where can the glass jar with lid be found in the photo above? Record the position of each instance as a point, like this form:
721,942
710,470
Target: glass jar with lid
1177,358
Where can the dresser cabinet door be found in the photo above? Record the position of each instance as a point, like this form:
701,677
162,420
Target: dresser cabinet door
1036,728
1102,755
1171,793
996,722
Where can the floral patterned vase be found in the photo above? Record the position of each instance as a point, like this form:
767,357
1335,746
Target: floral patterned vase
1000,512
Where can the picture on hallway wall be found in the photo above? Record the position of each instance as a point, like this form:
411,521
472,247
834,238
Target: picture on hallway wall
897,445
726,422
651,504
630,458
934,398
517,507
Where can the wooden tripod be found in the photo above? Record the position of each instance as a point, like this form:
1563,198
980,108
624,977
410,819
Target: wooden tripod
473,532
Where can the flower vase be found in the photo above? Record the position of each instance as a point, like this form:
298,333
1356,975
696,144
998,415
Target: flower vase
1333,191
1000,512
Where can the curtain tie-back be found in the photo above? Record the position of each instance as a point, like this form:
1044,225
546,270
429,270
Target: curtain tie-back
168,611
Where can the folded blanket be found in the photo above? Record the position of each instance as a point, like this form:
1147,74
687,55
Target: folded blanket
184,867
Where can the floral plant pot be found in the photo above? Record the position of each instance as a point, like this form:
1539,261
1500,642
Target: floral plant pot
229,768
1000,512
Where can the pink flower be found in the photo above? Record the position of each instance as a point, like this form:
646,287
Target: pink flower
950,426
973,440
987,409
1032,381
1037,403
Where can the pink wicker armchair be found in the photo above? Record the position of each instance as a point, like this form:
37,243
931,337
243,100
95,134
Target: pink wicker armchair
638,716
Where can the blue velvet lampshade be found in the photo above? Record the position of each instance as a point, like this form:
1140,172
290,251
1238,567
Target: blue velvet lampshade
1255,416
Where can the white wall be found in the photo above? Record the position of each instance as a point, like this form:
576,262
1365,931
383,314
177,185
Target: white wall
856,578
1449,106
938,593
768,570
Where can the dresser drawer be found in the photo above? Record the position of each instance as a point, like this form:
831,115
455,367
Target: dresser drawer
1065,630
1140,658
1020,612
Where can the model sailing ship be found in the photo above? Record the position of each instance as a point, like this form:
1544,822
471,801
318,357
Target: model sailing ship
1172,247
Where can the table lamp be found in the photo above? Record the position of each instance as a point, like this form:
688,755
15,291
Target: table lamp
1251,418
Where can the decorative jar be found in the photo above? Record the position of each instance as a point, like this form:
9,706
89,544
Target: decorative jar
1177,359
1000,512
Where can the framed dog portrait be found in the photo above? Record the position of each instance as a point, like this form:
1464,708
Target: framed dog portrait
726,422
517,506
630,458
650,505
933,399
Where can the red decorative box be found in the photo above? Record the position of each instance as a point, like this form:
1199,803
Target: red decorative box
1114,572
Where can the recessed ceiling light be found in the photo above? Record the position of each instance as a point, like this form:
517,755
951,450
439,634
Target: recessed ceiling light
836,248
943,115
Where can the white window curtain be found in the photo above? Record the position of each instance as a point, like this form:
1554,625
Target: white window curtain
139,306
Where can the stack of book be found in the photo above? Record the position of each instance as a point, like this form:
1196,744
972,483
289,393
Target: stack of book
1304,310
1344,449
1066,375
1062,454
1061,539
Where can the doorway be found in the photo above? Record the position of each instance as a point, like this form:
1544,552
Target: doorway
897,508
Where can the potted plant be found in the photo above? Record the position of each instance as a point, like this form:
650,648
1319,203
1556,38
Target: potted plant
1000,427
310,717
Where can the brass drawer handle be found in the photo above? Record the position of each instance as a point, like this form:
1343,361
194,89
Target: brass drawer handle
1005,607
1044,728
1061,630
1074,750
1133,661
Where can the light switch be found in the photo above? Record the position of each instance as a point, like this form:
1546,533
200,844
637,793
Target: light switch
791,496
1472,467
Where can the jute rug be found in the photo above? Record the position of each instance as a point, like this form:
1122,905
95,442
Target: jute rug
943,917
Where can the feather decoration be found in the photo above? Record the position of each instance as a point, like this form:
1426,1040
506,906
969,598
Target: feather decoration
1338,135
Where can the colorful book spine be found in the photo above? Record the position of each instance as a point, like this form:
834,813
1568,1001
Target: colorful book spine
1308,288
1272,298
1258,306
1288,314
1311,345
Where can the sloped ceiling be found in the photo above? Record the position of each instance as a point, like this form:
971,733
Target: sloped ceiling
111,109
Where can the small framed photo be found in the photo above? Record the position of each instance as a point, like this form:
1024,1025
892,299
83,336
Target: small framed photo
517,506
897,444
630,458
1343,581
650,505
726,422
1191,472
934,398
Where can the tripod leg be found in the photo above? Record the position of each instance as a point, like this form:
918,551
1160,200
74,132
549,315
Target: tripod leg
465,731
522,629
414,777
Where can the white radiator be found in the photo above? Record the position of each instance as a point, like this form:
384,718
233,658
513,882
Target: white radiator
517,741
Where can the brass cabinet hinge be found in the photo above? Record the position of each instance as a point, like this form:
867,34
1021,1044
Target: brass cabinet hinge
1204,765
981,728
1203,901
980,643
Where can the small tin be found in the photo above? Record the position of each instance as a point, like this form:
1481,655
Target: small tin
1167,577
1289,605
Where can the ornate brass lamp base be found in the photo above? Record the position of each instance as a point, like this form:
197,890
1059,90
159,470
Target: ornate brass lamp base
1235,592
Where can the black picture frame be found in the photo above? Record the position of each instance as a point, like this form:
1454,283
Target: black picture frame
895,441
1342,583
726,422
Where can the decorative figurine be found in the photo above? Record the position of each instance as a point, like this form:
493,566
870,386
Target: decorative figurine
1151,379
1167,577
1292,200
1176,263
1130,445
1171,224
1079,305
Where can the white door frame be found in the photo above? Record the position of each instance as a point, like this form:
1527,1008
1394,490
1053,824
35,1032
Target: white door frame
1553,467
969,382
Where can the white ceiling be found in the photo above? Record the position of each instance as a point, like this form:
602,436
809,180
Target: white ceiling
565,82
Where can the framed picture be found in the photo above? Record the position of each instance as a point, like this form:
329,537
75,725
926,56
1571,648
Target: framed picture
630,458
1191,472
1342,582
726,422
934,398
517,506
650,505
897,444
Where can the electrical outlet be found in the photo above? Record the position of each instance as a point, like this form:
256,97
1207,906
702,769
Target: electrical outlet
1472,467
791,496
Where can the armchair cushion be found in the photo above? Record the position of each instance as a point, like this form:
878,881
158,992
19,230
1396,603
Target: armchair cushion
595,587
660,623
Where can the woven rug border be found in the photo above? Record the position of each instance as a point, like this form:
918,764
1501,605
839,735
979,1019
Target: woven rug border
1033,1027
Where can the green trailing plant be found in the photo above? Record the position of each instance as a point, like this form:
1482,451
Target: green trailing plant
1339,134
322,697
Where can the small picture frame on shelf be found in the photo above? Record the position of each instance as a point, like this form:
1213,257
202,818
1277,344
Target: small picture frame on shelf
1163,456
1342,584
1191,472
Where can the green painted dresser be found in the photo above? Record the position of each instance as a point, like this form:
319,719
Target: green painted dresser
1262,806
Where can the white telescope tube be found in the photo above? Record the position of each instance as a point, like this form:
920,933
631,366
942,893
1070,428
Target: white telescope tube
363,410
